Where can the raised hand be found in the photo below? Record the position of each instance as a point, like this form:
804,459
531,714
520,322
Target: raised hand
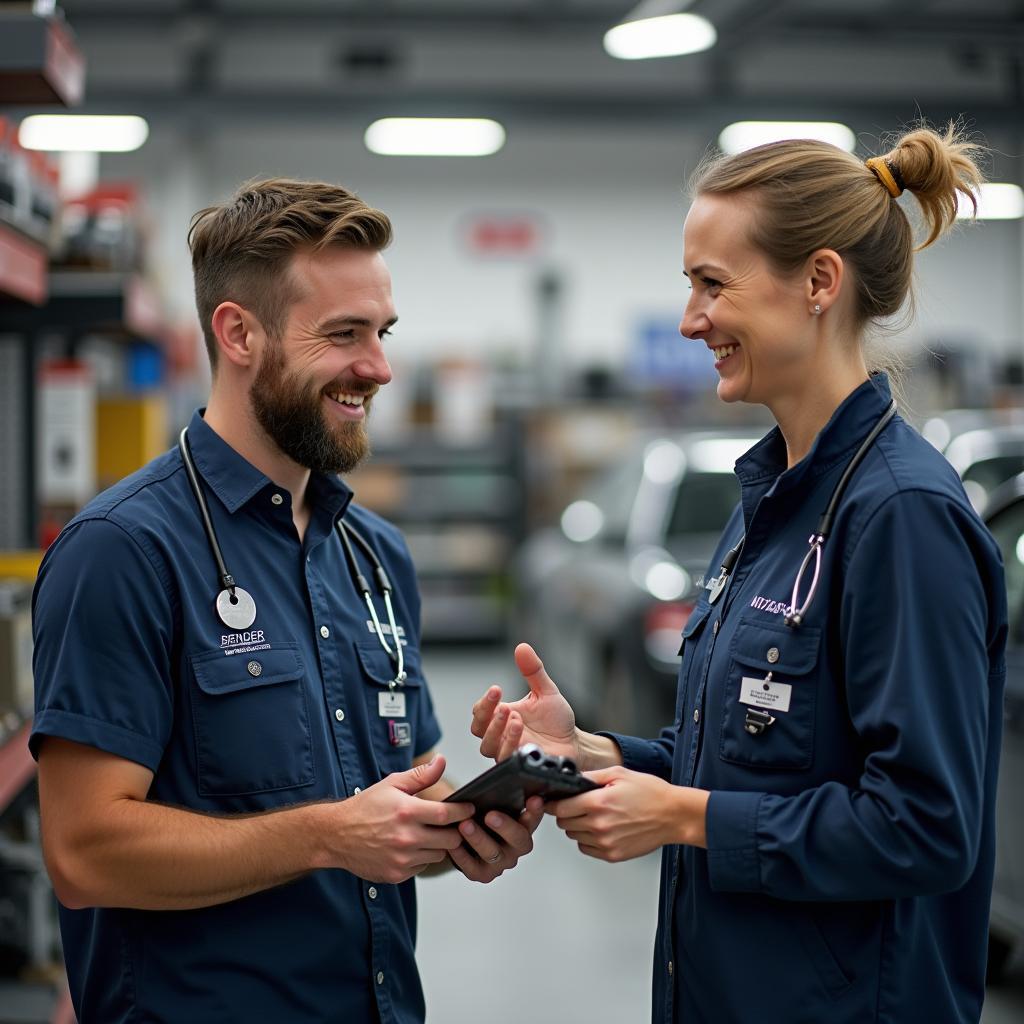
543,716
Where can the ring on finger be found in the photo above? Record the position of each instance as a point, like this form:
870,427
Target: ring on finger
495,858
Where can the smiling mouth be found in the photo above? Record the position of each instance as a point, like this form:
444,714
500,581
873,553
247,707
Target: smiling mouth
724,351
343,398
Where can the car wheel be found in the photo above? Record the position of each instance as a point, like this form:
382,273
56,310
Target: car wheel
999,951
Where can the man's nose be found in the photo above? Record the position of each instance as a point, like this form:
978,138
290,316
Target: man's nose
373,365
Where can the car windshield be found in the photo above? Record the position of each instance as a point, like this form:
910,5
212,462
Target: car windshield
704,502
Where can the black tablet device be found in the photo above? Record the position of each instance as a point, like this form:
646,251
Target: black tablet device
528,772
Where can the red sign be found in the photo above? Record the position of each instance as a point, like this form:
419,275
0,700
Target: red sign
22,267
505,235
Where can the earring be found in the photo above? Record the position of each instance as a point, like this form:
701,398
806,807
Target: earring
817,309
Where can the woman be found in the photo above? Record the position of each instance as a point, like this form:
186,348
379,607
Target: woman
824,800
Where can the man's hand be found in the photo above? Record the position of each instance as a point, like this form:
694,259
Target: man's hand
387,834
631,815
495,856
543,716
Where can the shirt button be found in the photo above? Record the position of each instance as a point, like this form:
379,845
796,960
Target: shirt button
276,499
714,628
325,632
356,791
696,715
339,715
772,655
380,977
671,968
372,892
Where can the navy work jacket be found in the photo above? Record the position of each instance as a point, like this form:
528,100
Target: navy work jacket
131,658
851,844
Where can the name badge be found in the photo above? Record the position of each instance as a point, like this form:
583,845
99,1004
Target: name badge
763,693
391,704
399,734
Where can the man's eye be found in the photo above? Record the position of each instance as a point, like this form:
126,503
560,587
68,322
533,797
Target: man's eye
711,282
342,335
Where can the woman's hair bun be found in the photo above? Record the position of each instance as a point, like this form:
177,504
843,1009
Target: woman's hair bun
937,169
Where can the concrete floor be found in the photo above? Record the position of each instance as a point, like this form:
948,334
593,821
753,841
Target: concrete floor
563,937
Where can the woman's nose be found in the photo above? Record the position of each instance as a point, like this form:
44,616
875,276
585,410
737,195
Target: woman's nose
695,323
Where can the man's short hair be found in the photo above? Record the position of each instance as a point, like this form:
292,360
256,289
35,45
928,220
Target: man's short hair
241,250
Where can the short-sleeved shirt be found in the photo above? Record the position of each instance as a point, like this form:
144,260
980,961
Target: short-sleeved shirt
850,841
132,658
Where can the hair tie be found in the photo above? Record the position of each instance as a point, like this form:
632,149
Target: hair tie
887,175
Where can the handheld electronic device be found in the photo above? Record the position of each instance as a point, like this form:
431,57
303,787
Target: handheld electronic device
528,772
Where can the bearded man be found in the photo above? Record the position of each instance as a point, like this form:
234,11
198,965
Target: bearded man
237,769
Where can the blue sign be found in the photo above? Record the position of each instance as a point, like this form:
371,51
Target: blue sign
661,356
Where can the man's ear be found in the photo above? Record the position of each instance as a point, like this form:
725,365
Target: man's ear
824,279
238,334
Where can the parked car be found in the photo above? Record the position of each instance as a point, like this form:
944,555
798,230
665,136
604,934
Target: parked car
1005,518
985,446
604,596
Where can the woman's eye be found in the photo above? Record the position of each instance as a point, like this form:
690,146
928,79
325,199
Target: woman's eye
711,282
384,334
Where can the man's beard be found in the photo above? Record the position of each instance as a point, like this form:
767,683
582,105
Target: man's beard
292,415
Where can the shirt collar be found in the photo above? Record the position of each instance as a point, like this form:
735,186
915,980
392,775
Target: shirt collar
236,481
843,433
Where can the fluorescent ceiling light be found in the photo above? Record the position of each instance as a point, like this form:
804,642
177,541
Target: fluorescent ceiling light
747,134
998,201
670,35
83,133
434,136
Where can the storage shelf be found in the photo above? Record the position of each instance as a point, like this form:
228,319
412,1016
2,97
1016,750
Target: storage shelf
39,60
92,300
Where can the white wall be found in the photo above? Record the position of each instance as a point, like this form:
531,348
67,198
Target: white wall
613,203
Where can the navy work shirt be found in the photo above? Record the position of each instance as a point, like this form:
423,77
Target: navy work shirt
851,844
131,658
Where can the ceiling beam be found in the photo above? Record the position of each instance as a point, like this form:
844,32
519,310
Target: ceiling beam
701,112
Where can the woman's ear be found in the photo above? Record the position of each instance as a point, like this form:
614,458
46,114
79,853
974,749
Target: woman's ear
233,327
824,280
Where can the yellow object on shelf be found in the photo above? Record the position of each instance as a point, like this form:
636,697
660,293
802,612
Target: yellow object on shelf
20,565
129,433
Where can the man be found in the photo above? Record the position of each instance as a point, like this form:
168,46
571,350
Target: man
237,775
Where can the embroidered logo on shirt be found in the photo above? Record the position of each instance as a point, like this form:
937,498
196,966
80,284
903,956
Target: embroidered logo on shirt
243,643
766,604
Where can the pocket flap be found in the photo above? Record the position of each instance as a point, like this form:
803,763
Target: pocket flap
218,673
693,624
776,648
377,664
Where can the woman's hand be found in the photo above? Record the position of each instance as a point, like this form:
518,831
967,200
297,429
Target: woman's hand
631,815
543,716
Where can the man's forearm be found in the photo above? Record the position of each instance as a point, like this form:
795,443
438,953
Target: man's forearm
150,856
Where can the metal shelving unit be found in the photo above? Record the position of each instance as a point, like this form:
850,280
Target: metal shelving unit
461,509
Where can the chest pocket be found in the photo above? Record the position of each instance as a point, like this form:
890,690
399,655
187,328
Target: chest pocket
250,714
791,655
394,738
687,673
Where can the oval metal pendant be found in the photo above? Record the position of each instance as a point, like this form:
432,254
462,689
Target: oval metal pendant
238,612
